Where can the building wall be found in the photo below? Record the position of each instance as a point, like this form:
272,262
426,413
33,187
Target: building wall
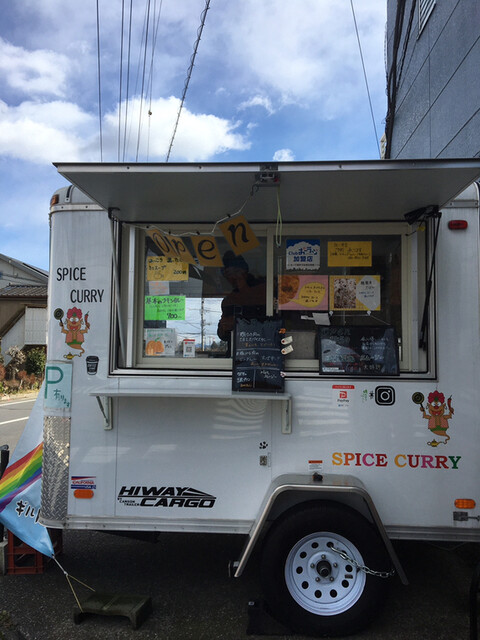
437,111
23,322
14,338
35,326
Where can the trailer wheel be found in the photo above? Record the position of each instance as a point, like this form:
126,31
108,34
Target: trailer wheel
311,588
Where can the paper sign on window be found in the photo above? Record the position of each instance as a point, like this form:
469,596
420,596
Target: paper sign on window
239,234
302,292
355,293
302,255
207,251
350,254
158,288
164,307
171,246
165,269
160,342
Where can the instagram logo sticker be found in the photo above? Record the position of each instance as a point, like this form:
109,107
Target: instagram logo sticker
385,395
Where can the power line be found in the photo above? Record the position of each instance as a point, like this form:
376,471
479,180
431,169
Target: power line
150,84
120,83
99,85
147,24
366,80
128,81
189,74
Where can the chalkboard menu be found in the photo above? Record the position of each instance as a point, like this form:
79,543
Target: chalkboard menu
358,351
257,355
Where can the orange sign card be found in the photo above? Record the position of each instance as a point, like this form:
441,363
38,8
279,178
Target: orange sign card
239,234
207,251
171,246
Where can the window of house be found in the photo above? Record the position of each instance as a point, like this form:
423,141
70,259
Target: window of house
337,275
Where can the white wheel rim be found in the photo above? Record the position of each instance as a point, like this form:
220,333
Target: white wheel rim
318,579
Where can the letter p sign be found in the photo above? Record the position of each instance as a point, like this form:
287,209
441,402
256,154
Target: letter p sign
58,386
50,372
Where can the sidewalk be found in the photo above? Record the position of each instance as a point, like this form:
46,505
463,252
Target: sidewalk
21,395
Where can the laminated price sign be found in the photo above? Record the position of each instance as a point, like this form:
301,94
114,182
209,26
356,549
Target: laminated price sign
166,269
355,293
303,292
350,254
164,307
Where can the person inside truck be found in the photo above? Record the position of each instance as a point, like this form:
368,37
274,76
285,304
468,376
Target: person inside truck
247,298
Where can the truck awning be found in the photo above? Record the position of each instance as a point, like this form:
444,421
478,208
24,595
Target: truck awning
308,191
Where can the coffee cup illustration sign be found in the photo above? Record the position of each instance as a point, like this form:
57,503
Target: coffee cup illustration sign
75,327
92,365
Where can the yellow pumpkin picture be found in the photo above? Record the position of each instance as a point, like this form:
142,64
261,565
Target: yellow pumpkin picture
154,348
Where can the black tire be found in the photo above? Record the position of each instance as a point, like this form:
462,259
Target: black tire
308,586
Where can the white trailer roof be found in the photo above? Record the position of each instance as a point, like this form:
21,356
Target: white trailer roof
309,191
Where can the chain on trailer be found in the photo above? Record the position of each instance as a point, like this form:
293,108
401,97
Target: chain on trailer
362,567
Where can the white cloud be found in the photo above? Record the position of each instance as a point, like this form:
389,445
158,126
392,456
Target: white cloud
305,52
39,72
258,101
61,131
283,155
44,132
198,136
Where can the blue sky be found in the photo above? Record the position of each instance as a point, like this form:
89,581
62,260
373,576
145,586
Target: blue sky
272,80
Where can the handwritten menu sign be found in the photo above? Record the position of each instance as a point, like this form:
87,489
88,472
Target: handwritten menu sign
164,307
163,269
358,351
257,355
350,254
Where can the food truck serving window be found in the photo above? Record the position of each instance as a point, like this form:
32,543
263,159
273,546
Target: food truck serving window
189,308
190,289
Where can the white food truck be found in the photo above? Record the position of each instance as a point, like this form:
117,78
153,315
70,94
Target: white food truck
288,352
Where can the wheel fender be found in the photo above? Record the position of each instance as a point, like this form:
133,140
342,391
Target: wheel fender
288,492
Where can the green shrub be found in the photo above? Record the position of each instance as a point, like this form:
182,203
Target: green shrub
35,362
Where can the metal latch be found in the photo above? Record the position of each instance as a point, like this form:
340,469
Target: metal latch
105,405
462,516
287,416
265,460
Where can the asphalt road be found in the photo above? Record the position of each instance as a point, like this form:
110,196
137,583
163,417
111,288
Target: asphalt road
13,418
193,598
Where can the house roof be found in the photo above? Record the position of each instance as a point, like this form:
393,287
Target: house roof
30,271
24,291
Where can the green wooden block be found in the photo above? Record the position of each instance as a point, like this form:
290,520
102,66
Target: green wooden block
135,607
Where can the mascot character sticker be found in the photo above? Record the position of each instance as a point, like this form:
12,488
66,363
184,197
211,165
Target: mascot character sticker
75,328
438,413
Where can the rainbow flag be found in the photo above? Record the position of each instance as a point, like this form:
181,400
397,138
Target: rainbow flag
20,475
20,486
